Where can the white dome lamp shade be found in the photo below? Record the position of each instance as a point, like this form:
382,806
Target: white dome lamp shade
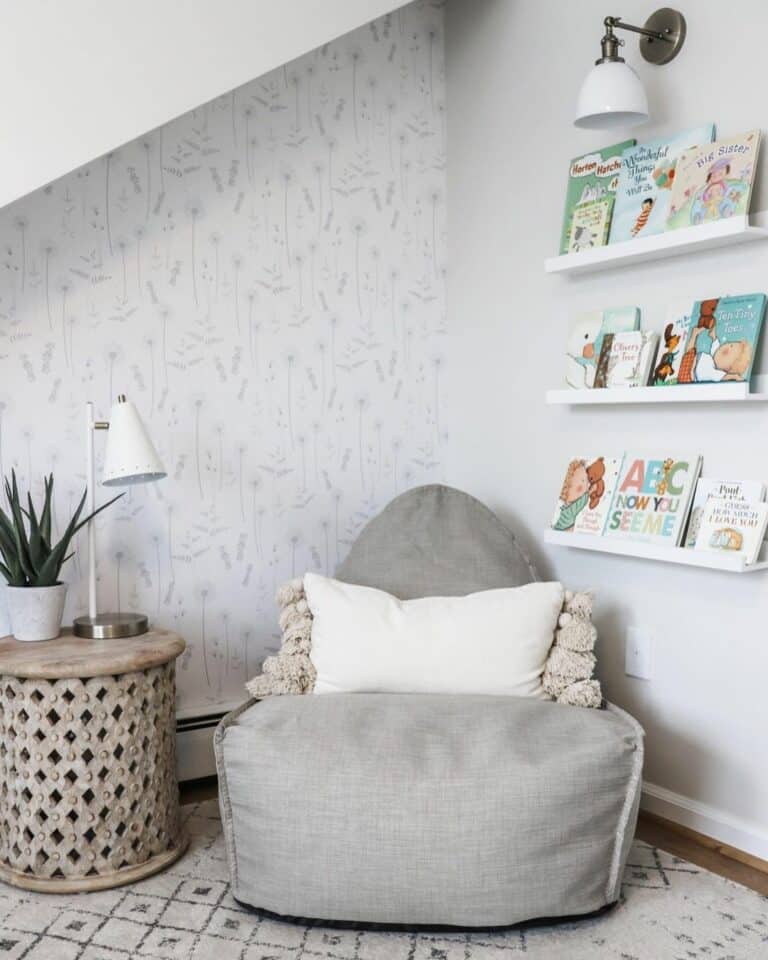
612,94
130,459
130,456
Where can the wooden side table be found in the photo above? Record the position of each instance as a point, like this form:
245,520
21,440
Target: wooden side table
88,791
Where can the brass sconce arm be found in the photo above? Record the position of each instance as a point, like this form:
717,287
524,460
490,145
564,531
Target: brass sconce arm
662,36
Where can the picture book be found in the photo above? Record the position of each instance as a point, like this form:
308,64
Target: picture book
626,358
648,173
588,486
750,490
652,498
593,176
714,181
672,344
736,525
589,225
722,339
585,341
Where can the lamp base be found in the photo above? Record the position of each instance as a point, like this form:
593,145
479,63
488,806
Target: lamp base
111,626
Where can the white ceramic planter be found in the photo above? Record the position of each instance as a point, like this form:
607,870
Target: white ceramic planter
36,612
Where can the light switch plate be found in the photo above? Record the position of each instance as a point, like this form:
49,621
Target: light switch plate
638,653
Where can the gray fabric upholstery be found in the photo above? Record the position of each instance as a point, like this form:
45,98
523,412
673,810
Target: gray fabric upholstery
448,810
436,541
444,810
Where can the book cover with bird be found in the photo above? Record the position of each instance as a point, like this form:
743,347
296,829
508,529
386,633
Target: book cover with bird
585,341
647,177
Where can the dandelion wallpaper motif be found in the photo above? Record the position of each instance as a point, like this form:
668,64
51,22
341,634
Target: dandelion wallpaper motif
264,278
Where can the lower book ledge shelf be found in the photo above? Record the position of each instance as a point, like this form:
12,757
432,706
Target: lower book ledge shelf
709,560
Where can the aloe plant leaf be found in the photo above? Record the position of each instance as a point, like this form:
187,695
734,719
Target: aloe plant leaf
49,572
17,580
38,549
46,515
8,546
39,544
19,532
5,522
9,556
98,510
11,562
6,530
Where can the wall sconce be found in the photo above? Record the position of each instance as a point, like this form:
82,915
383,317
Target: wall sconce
612,94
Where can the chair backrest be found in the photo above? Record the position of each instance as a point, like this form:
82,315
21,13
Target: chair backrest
436,541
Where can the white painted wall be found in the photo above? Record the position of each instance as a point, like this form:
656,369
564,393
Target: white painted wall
513,74
82,77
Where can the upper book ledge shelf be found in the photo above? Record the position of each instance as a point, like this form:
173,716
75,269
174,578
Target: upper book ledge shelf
707,236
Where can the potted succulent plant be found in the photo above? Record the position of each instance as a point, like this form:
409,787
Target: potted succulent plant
31,563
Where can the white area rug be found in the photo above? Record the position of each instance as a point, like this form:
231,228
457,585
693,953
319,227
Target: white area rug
670,910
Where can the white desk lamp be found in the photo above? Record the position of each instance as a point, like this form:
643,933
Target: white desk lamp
130,458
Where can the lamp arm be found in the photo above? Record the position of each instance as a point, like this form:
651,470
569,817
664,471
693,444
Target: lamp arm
613,23
610,43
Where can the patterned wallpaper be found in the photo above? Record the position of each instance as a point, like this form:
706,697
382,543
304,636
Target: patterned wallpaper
264,278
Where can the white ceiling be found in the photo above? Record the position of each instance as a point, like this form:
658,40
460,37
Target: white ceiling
82,77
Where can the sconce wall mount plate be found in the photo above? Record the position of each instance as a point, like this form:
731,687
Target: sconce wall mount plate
669,22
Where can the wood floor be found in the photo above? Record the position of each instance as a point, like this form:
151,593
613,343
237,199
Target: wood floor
704,852
680,841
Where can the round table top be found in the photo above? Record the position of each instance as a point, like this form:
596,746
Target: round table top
68,656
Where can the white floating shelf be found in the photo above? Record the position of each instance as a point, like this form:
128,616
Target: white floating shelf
707,236
710,560
685,393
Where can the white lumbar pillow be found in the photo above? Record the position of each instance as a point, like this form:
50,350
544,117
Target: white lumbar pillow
494,642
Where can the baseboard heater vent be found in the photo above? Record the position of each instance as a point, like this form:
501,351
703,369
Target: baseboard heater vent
194,745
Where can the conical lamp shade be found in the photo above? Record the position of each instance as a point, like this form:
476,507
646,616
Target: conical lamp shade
130,456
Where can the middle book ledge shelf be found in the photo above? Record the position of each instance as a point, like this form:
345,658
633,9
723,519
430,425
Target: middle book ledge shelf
686,393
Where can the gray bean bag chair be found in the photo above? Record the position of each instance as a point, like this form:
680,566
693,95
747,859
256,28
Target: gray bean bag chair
468,811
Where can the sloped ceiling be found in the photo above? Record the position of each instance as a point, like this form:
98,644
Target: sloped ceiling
82,77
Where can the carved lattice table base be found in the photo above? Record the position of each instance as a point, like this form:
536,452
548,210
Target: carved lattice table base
88,791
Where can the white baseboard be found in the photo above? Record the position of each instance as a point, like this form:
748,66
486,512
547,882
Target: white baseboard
744,835
195,727
194,754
